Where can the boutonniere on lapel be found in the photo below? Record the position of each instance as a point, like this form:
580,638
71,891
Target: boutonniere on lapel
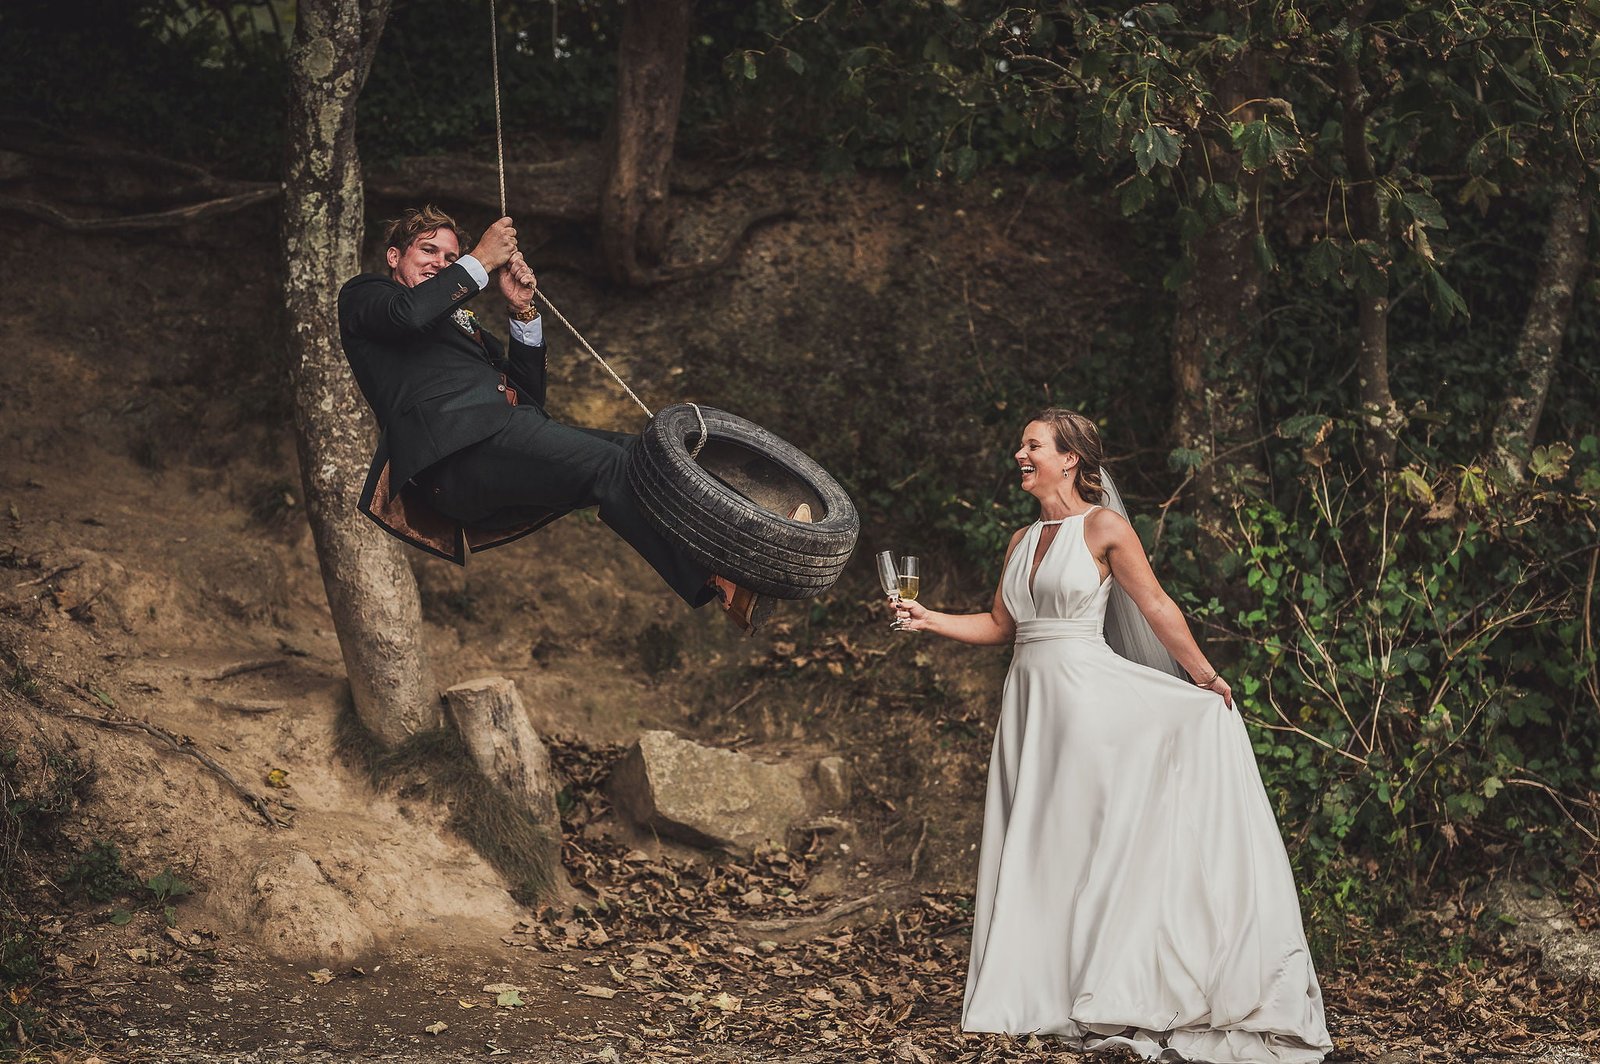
466,319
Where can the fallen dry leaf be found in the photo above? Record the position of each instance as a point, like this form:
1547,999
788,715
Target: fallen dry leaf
597,991
321,975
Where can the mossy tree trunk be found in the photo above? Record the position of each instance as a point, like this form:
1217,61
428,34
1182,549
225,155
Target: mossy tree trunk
651,57
1561,263
371,590
1381,420
1214,354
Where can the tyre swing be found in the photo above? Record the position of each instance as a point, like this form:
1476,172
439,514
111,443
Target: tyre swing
722,487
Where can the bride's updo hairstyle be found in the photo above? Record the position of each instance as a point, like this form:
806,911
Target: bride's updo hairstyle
1076,434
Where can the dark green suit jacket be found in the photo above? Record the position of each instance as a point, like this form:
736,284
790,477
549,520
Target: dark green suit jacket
436,389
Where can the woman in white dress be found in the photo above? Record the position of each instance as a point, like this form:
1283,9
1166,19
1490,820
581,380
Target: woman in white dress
1133,889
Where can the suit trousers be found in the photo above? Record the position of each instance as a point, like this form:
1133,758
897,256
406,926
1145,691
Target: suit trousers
534,465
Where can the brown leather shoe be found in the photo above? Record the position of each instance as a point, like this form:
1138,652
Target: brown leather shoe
747,610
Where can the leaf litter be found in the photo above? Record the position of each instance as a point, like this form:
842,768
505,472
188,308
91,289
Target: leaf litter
672,934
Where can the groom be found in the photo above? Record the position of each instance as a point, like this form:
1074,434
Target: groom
467,458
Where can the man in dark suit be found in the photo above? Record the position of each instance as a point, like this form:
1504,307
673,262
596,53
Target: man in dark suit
467,458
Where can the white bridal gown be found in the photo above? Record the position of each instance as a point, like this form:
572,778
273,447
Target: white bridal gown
1132,888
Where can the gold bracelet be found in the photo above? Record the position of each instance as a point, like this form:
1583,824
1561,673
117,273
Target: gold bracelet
527,313
1209,681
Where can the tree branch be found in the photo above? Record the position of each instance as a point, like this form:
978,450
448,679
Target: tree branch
136,223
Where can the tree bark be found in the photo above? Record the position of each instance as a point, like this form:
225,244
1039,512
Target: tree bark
644,125
1560,267
371,591
1381,419
494,725
1213,371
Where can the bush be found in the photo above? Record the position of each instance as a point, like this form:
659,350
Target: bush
1419,666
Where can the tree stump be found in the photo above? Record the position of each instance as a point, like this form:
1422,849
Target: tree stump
489,715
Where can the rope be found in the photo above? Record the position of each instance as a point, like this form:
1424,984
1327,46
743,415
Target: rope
703,433
499,137
500,150
551,307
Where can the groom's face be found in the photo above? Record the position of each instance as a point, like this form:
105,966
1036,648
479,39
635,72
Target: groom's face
427,255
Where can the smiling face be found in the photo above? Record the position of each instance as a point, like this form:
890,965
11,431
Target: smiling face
427,255
1046,470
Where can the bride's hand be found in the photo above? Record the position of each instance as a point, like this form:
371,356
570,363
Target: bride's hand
1220,686
913,615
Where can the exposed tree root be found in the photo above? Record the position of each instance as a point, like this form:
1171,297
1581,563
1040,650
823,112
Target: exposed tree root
184,745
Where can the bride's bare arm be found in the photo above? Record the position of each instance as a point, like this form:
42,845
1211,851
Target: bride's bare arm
995,628
1112,540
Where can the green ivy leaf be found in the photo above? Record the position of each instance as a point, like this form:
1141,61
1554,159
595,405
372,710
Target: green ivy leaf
1424,210
1156,144
1136,194
1324,262
1369,275
1262,143
1444,300
1478,192
794,62
1416,487
1221,200
1550,463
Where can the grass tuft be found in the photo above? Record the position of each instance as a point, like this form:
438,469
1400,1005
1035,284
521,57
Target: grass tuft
436,764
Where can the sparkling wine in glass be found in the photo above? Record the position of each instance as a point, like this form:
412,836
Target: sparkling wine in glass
889,580
910,577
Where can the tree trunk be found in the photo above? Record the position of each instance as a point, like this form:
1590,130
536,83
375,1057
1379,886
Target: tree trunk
1560,266
494,725
371,591
650,71
1381,419
1213,371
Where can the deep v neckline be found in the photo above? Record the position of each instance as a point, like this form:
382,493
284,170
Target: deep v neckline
1037,561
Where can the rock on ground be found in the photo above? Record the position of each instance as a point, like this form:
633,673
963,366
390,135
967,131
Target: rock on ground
705,796
1541,920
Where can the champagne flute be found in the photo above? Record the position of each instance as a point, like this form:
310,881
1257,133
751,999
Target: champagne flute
889,580
910,577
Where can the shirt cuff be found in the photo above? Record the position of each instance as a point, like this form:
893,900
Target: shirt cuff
527,332
475,268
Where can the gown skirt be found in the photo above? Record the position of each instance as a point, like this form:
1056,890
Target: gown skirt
1133,888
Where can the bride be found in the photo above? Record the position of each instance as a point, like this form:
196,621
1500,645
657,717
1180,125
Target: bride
1132,887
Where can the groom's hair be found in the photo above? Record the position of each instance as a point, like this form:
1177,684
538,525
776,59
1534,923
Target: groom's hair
414,224
1076,434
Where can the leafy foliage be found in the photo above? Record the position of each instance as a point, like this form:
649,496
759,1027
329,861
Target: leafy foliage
1420,665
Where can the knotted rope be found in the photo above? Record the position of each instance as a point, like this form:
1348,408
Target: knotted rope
500,157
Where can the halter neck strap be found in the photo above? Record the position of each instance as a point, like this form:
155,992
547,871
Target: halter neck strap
1064,520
